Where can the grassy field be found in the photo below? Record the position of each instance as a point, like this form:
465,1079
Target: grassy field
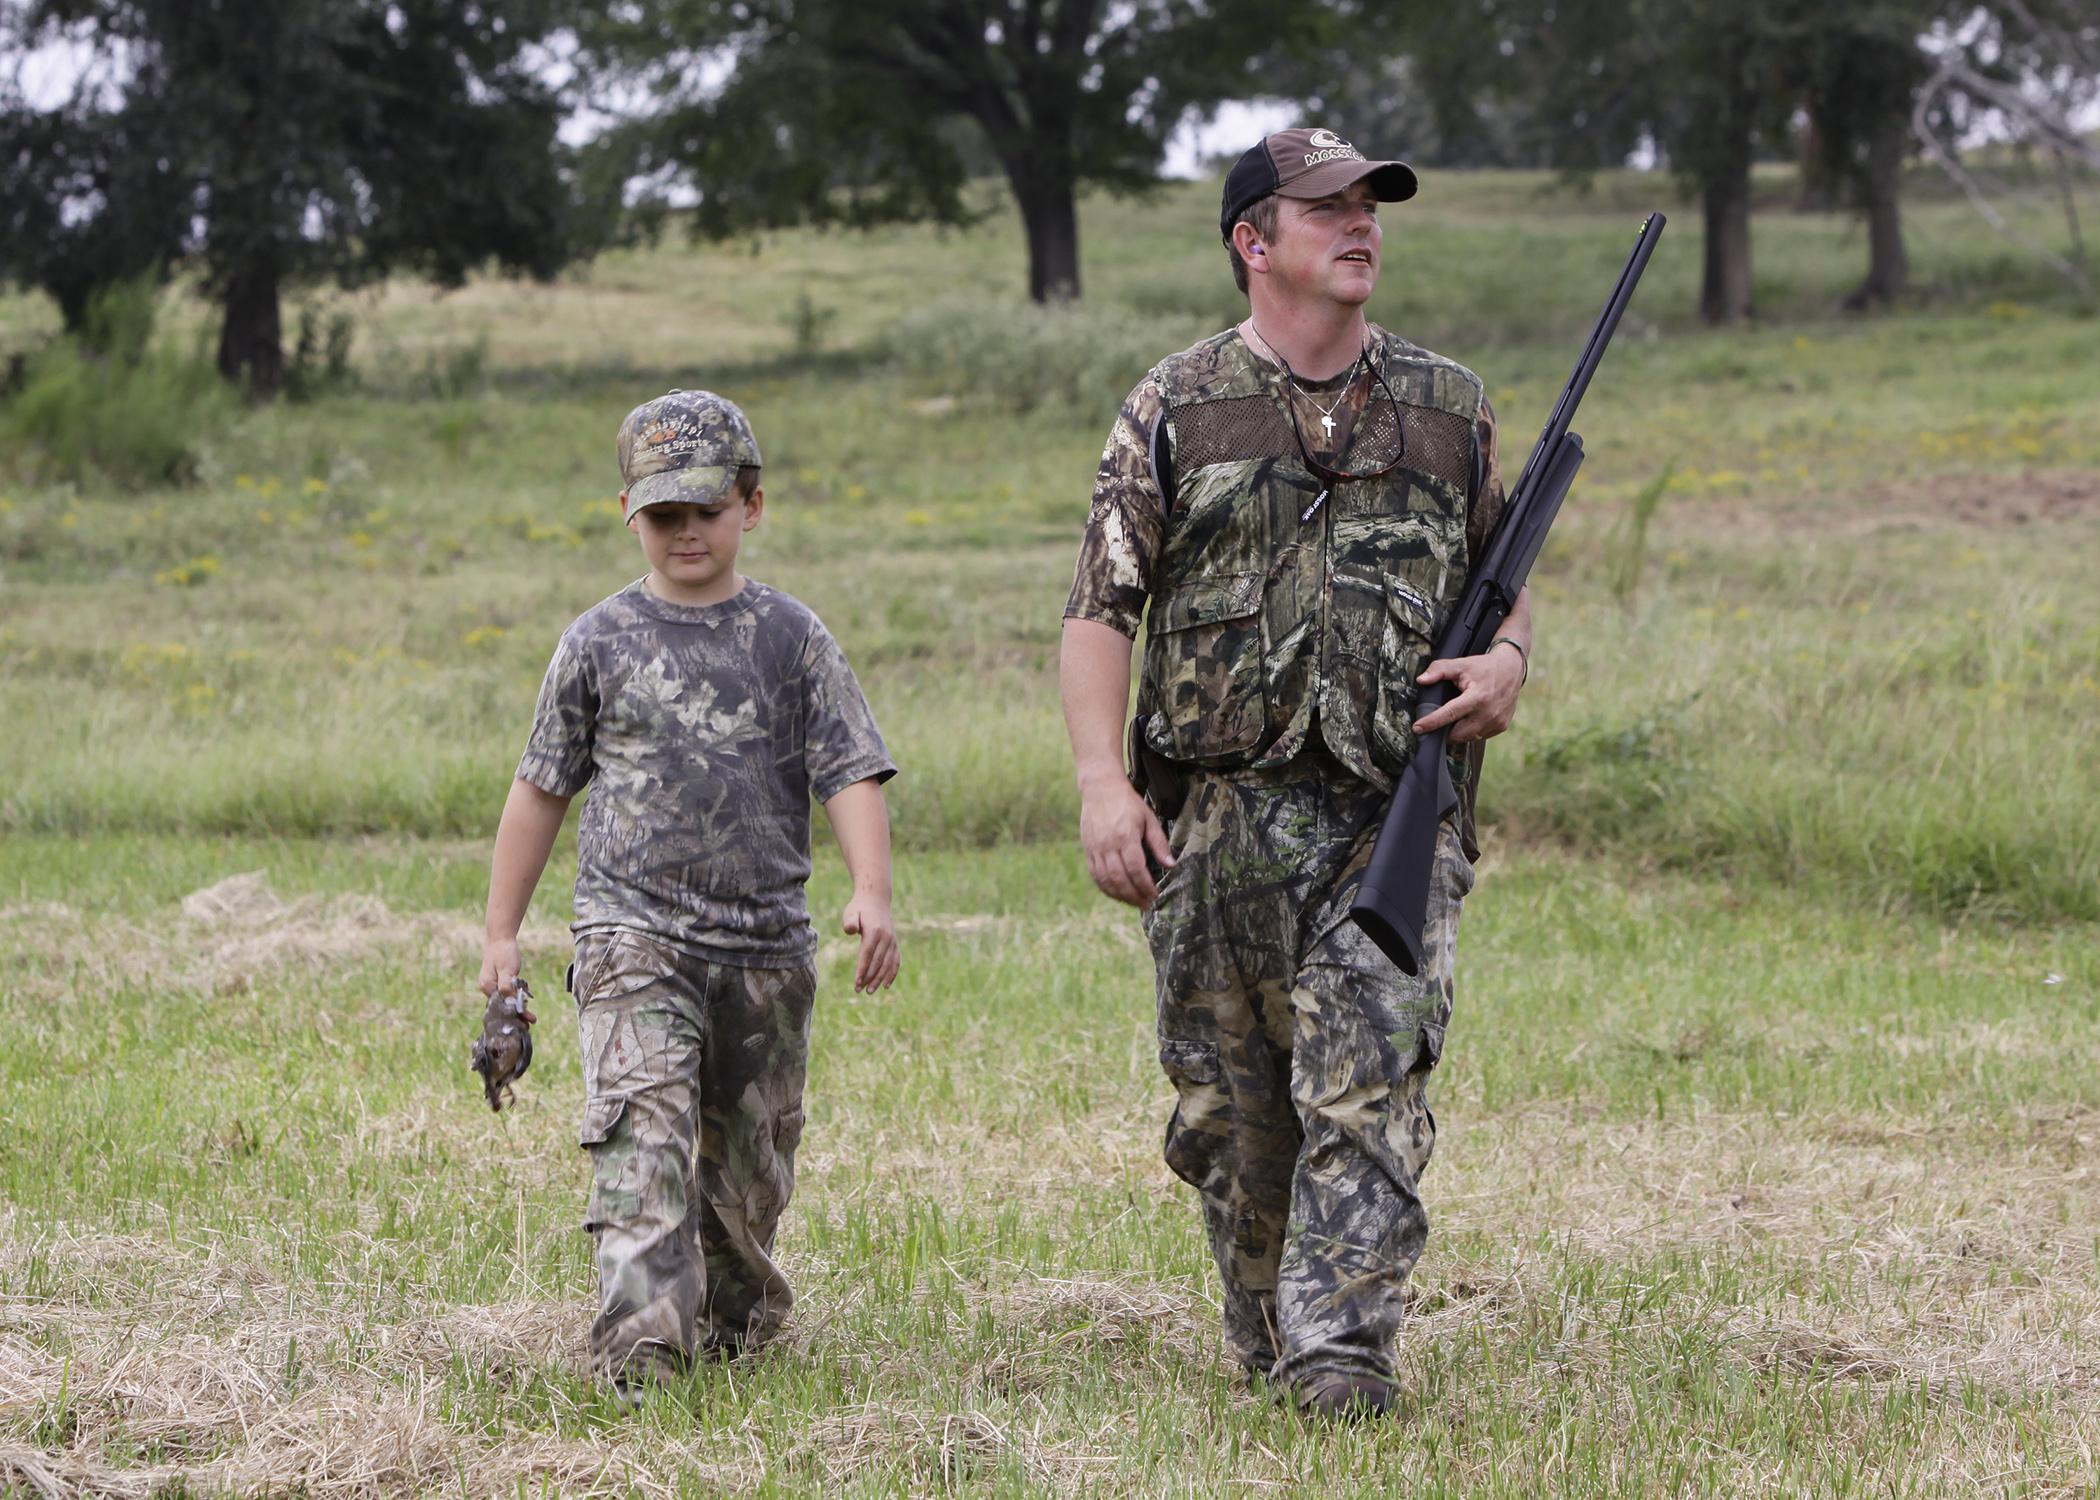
1771,1112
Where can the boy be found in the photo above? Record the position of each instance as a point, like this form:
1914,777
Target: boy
707,709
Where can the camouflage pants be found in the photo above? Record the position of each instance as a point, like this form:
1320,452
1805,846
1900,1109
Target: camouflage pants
1301,1058
693,1081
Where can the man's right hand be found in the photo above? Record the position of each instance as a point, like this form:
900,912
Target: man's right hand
1118,830
499,965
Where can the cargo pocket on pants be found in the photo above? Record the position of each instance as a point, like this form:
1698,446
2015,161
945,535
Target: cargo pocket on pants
1200,1126
616,1169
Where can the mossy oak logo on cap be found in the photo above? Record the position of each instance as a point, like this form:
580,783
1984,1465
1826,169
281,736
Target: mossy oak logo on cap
1327,146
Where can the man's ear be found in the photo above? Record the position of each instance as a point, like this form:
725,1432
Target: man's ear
1247,240
623,506
754,505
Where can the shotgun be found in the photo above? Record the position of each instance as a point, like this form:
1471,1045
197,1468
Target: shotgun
1392,902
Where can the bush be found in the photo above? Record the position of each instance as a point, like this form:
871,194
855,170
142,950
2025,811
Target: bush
1072,359
111,405
320,362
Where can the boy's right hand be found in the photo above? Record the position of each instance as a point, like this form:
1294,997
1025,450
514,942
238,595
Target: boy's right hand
499,966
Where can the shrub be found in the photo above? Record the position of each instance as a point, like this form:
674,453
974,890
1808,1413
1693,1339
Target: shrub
320,360
112,405
1071,359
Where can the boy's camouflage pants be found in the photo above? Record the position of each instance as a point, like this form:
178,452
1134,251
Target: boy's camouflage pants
693,1080
1301,1057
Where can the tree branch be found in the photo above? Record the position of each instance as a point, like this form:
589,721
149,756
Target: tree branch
1952,71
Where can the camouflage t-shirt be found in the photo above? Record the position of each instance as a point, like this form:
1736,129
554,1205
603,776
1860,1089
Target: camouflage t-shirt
702,731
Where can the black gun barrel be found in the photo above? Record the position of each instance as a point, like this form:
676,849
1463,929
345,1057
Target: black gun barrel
1392,900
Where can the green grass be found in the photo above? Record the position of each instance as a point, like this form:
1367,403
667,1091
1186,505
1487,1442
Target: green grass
1770,1103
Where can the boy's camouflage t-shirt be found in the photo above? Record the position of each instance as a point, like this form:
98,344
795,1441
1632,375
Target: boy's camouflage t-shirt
703,731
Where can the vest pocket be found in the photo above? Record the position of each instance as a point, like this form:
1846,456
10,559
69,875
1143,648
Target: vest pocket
1203,665
1403,653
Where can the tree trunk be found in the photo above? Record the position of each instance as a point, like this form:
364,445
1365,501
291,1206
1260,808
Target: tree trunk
251,342
1724,295
1050,213
1888,267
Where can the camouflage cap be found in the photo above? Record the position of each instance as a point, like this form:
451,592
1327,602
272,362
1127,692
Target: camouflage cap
684,448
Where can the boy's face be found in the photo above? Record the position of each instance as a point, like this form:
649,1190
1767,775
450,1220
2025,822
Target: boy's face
692,548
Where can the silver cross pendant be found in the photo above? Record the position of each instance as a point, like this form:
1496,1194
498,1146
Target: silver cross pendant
1328,423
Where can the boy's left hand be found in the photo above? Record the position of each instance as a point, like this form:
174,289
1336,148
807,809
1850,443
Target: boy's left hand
869,917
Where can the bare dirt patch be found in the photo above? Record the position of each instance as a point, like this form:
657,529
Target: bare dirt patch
1985,501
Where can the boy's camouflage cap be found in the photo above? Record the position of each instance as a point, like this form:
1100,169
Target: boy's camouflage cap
684,448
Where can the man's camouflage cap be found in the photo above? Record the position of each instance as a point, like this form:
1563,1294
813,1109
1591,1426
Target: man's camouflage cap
1306,163
684,448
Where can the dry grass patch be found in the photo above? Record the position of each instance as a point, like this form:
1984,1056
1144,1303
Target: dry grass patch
1919,1258
229,935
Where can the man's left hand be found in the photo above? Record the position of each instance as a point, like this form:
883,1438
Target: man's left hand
1485,702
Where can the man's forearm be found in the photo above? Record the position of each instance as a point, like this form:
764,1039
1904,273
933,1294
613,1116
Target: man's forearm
1517,626
524,838
1094,681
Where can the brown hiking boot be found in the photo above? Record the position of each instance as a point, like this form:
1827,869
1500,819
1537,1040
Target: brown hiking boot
1341,1397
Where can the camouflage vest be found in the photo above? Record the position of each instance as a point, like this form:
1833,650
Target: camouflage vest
1276,623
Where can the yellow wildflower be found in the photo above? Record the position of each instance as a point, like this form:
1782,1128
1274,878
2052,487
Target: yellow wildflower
315,486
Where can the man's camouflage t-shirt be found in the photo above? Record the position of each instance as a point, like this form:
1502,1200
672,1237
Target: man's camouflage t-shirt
702,731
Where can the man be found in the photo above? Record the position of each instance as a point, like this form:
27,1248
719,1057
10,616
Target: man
1291,508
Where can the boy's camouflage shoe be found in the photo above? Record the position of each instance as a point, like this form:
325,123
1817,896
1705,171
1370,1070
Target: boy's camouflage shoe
503,1051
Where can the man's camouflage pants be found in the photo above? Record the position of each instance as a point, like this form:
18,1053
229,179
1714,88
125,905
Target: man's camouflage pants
693,1107
1301,1057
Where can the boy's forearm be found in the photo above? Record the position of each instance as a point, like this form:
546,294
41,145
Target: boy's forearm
524,838
860,819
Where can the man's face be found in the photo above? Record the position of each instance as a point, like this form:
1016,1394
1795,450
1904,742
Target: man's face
1328,248
693,547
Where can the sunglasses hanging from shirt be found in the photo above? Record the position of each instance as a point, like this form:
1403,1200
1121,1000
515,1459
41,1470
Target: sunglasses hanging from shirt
1379,429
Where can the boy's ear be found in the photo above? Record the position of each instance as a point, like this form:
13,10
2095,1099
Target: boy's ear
754,505
623,504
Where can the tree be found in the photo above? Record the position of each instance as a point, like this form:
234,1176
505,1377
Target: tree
87,202
1857,70
1412,80
1697,78
827,111
313,140
2032,67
